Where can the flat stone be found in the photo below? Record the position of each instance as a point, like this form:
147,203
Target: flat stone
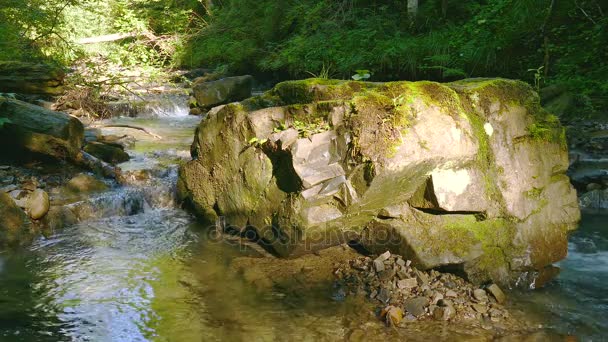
497,293
482,309
416,306
451,294
437,297
384,256
407,283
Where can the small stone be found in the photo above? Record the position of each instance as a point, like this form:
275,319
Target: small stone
482,309
4,167
384,256
451,294
423,279
416,306
386,274
384,296
497,293
480,295
378,265
408,283
400,262
408,263
444,313
373,294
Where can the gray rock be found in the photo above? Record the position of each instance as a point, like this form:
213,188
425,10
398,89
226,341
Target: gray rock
225,90
407,283
388,194
416,306
108,153
378,265
38,204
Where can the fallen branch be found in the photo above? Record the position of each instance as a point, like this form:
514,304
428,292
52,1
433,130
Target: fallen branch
107,38
155,136
90,162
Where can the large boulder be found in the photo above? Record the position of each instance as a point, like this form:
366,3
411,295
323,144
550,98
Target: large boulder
30,78
468,175
229,89
12,219
39,130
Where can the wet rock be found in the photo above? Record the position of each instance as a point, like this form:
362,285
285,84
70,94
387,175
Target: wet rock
392,315
416,306
37,204
497,293
107,153
84,183
196,111
225,90
593,186
12,217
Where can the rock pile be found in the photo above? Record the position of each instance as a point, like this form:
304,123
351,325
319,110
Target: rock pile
405,293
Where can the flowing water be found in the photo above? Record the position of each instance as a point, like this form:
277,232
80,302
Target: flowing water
141,269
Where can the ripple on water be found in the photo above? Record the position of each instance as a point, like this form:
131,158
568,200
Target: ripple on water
95,277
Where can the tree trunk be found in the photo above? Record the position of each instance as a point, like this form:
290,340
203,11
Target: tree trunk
412,8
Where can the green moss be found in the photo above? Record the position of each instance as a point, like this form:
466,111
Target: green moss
494,235
317,89
534,193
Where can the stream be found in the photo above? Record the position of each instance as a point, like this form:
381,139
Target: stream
141,269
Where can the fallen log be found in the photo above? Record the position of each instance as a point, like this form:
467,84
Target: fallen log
152,134
85,160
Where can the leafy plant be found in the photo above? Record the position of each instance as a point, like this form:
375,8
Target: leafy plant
538,76
361,75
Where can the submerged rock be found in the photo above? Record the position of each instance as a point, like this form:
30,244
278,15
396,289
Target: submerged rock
468,175
108,153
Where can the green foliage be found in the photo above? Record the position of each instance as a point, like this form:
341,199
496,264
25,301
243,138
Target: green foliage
4,121
361,75
475,38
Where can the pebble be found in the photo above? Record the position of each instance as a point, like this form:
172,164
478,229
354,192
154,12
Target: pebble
408,294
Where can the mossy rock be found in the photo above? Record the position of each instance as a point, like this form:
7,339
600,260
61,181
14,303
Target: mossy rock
317,162
108,153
